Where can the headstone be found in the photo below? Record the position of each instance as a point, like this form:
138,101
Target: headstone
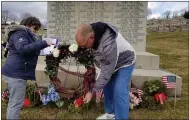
185,28
128,17
166,29
173,28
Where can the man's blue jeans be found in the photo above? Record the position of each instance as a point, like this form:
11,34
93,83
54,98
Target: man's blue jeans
17,89
116,93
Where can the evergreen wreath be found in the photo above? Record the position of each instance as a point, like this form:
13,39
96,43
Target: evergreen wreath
150,89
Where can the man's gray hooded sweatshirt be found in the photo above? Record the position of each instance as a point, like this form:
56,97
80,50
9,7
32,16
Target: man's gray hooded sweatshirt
112,52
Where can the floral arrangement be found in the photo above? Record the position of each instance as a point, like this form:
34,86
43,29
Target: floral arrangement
52,95
134,100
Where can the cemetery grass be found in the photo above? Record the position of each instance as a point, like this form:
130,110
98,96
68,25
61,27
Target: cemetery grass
173,51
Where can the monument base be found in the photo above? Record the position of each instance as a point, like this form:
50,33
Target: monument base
138,78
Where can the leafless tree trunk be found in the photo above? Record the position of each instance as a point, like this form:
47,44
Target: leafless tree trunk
13,17
175,14
149,12
5,16
26,15
167,14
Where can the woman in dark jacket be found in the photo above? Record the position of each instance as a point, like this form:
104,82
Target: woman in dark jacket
21,61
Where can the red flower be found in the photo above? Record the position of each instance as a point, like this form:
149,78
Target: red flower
160,97
78,102
26,102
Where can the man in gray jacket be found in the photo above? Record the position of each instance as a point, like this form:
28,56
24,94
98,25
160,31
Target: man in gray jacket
115,58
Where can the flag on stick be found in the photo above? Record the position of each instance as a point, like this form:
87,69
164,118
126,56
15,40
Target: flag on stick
169,81
139,92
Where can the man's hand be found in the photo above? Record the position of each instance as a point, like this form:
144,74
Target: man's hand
88,97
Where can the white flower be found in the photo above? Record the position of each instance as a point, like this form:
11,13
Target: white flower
56,52
73,48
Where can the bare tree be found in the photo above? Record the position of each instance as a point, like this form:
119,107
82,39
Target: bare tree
167,14
175,14
13,17
149,12
5,16
160,18
26,15
183,11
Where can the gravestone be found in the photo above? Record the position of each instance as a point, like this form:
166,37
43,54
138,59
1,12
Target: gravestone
129,17
185,28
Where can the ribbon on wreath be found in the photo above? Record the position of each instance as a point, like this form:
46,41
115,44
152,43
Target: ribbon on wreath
160,97
27,103
78,102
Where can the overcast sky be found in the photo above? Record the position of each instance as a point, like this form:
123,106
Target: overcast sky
158,8
39,9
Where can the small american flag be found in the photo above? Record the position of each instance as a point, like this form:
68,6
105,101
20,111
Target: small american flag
5,95
139,92
169,81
